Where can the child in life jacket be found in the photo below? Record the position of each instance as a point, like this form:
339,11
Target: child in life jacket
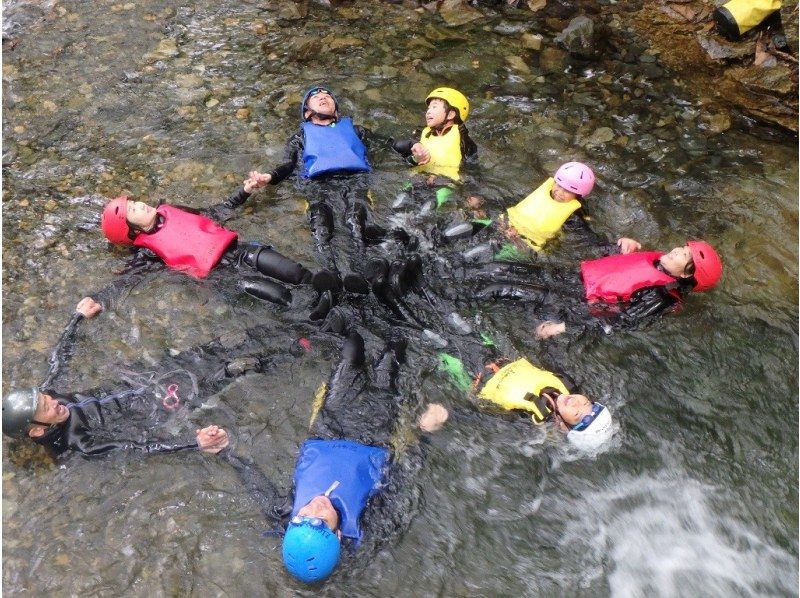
438,152
630,287
520,387
187,240
330,155
537,219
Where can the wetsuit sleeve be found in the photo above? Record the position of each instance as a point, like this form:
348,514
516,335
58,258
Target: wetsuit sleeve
226,209
88,446
644,309
648,304
403,147
272,503
579,223
291,158
468,147
62,351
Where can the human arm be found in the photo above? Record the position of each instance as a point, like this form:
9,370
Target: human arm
469,149
411,150
644,308
86,308
272,503
211,439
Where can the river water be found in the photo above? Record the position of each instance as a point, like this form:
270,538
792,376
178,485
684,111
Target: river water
697,496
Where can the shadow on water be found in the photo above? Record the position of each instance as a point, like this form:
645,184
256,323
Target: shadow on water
698,495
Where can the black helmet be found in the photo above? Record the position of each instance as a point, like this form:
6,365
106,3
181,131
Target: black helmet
19,407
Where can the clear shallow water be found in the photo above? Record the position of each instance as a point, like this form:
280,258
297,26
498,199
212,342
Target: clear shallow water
698,496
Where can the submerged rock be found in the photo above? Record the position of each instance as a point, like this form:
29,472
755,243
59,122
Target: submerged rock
578,37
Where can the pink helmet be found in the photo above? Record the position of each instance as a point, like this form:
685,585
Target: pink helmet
575,177
113,222
707,265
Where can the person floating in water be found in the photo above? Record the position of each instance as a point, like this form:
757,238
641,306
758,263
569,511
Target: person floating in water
329,153
190,241
520,387
444,143
555,206
620,290
125,414
346,461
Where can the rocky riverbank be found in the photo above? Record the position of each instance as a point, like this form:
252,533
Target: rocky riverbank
746,82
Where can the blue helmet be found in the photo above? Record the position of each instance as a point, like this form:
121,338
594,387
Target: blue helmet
310,93
310,550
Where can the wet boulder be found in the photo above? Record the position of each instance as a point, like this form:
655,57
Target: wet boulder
578,37
779,79
789,20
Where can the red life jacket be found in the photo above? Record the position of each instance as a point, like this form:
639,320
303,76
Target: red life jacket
187,242
615,278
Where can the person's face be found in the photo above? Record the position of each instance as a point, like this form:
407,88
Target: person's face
140,215
48,411
437,113
675,261
321,508
322,103
562,195
573,408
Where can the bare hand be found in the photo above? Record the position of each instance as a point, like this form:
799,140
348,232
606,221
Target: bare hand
550,328
420,153
256,180
512,234
627,245
433,418
88,307
212,439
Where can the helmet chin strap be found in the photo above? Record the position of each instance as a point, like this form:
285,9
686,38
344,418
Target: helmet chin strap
332,117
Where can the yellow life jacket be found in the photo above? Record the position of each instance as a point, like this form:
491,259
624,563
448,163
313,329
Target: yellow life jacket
509,387
445,152
538,218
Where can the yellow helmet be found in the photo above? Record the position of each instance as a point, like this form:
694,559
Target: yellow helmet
457,100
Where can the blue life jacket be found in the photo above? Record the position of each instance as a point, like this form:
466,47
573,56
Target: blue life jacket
358,468
332,148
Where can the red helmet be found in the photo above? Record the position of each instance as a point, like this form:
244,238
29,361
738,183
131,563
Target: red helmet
115,226
707,265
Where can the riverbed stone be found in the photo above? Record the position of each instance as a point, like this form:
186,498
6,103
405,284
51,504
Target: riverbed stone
715,123
531,41
777,79
458,12
721,49
552,60
517,64
578,37
789,21
599,137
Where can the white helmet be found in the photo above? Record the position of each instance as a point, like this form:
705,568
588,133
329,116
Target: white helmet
598,432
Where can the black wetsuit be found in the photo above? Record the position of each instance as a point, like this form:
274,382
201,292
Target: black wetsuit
151,401
360,407
342,197
261,258
422,192
555,291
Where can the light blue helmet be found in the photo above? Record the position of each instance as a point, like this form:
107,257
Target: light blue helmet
310,550
310,93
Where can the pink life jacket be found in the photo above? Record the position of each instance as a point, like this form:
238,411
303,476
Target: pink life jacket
187,242
614,279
